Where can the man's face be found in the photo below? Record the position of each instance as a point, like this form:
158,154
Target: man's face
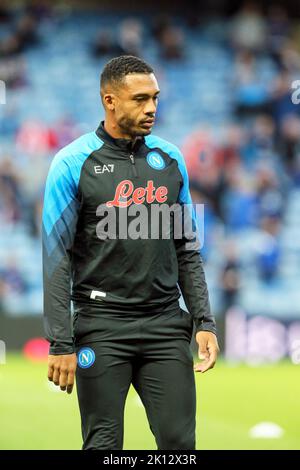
135,103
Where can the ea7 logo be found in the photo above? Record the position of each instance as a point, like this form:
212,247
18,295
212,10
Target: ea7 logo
99,169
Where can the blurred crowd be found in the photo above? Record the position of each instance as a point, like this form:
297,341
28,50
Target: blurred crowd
243,172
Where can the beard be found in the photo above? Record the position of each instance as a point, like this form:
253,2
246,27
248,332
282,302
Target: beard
130,127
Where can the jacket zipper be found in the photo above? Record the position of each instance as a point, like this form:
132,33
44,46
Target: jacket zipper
133,164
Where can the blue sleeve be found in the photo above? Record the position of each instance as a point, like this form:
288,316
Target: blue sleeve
60,215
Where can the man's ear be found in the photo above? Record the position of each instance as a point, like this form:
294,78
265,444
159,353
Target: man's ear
109,101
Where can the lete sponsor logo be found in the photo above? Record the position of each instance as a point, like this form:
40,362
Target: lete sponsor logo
126,194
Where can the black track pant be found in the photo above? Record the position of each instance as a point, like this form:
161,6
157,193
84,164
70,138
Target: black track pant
153,353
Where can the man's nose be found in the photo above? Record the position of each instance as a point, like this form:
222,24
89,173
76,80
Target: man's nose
150,107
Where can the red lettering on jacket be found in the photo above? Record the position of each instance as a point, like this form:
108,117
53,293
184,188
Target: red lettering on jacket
125,194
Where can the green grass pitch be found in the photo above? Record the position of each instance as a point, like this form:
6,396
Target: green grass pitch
231,399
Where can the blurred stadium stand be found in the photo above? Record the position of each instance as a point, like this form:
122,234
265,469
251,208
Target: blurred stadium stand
226,85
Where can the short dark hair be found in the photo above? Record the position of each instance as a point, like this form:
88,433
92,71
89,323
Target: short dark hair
116,69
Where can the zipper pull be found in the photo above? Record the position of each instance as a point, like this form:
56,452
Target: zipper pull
133,163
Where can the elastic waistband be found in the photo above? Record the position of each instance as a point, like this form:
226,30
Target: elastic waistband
99,308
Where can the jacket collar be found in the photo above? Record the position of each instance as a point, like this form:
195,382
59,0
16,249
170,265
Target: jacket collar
123,144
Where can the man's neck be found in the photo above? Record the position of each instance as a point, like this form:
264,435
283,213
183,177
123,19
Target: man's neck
114,131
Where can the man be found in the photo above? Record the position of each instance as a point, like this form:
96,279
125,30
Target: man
128,327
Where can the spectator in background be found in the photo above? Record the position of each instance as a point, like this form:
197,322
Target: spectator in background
172,43
251,91
193,13
39,9
104,44
12,64
289,143
10,46
33,215
170,38
231,147
289,58
230,276
128,40
24,36
263,133
248,30
64,130
13,72
5,14
279,28
130,37
36,138
239,201
260,147
12,278
2,295
10,192
9,209
204,165
296,168
160,25
282,106
27,32
9,123
270,201
268,249
36,214
206,218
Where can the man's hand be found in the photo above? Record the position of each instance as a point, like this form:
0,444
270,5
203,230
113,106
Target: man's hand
61,370
208,350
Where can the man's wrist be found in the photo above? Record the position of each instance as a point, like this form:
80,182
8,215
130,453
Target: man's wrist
202,326
58,349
